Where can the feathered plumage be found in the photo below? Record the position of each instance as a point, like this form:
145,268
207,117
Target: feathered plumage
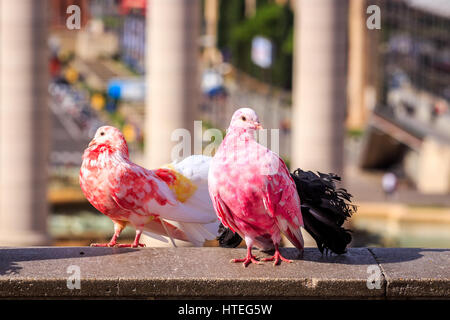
252,190
170,201
324,209
191,187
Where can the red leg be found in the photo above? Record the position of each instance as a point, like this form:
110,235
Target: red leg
118,227
135,243
250,258
277,257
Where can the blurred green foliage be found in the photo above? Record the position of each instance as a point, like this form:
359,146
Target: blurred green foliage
355,133
272,21
231,14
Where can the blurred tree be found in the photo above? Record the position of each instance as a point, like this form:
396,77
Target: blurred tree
272,21
231,13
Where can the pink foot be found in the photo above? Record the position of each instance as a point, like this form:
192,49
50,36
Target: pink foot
130,245
111,244
250,258
277,258
135,243
246,261
118,245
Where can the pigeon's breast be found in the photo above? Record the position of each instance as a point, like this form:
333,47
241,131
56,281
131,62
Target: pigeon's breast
95,186
243,193
240,173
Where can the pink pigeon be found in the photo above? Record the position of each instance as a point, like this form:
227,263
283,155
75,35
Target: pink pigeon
171,201
253,192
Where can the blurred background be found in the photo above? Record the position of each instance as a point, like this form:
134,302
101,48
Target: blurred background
357,87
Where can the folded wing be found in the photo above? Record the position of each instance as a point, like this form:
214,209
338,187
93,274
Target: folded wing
283,203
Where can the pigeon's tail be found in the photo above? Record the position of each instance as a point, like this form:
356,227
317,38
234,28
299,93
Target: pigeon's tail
324,209
228,238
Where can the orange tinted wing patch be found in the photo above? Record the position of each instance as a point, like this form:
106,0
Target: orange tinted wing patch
182,187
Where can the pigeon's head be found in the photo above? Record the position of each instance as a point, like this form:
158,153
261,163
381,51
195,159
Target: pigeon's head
245,118
110,137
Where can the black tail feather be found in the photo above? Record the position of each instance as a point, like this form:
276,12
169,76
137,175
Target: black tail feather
324,209
227,238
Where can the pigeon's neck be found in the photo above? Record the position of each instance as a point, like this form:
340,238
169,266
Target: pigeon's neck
240,134
104,152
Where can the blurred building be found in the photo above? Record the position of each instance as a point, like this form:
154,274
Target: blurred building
125,20
132,36
410,127
417,61
58,12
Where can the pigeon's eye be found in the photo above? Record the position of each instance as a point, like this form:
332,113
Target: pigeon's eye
244,118
102,133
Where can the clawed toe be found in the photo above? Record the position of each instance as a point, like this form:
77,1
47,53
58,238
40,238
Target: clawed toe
277,258
103,245
131,245
118,245
246,261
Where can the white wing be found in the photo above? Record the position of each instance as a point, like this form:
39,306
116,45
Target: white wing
196,168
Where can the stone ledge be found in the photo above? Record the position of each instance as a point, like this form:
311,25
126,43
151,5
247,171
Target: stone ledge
207,273
414,273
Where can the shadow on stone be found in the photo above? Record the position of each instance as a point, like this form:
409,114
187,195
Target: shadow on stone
394,255
10,258
354,257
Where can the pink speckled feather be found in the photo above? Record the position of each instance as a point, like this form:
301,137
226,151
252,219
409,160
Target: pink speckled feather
252,190
130,194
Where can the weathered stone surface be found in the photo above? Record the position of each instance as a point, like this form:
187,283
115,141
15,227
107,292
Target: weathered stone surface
414,272
181,272
206,272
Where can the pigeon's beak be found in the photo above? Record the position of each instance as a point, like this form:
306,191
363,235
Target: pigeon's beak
258,126
92,142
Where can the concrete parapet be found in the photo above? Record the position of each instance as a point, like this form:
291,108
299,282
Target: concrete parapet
375,273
